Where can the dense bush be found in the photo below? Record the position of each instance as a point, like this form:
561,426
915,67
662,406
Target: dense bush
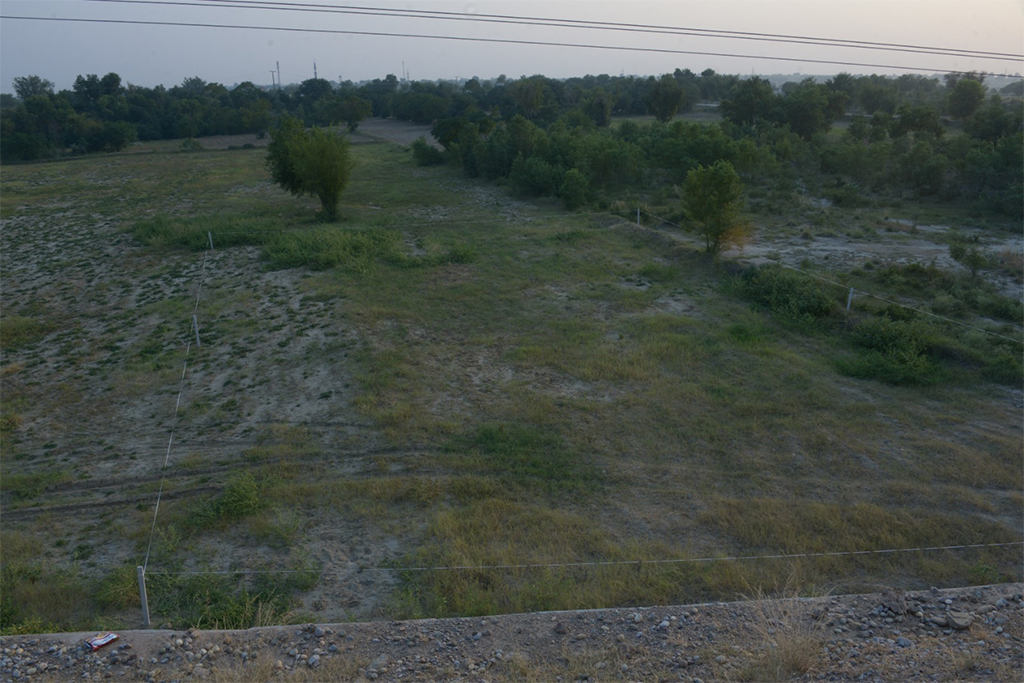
425,154
789,294
574,189
892,351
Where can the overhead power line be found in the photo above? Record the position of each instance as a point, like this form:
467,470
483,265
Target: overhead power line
468,39
574,24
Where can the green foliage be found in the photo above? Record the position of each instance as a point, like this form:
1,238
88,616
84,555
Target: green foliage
241,497
29,485
711,196
323,248
195,232
751,100
314,162
534,177
893,351
965,97
284,140
574,189
426,155
790,295
968,253
30,86
217,601
37,598
664,98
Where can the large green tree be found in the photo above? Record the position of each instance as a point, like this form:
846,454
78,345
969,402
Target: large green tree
712,196
29,86
965,97
752,99
664,98
313,162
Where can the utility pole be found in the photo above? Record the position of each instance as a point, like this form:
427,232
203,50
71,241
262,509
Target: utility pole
272,82
314,69
278,75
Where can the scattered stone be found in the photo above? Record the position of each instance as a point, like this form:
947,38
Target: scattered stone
959,620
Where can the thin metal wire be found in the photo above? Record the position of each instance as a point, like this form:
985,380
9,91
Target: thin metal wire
174,421
605,563
576,24
478,39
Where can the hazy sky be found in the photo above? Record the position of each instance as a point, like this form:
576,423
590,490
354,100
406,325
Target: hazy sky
152,55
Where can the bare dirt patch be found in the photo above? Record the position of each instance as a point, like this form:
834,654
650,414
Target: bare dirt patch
393,130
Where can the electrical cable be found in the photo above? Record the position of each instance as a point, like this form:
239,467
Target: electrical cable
574,24
468,39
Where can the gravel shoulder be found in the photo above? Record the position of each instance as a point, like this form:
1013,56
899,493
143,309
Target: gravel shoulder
955,634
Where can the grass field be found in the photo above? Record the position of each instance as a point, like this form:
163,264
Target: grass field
452,377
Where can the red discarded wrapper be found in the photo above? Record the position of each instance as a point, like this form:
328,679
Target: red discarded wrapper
101,639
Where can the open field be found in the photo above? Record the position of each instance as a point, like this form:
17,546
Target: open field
451,377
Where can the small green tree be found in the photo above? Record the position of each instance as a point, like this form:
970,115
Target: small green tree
712,196
574,189
312,162
968,253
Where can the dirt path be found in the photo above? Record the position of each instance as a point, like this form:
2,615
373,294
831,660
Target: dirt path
956,634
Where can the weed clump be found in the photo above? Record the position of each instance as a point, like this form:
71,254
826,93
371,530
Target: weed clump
242,496
225,601
528,457
19,331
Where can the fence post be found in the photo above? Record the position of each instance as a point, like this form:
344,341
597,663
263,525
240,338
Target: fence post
142,595
195,326
849,300
210,235
638,216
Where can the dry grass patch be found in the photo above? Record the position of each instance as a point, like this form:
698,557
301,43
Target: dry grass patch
790,639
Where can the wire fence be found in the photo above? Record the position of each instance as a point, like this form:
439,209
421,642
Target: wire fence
639,563
177,405
606,563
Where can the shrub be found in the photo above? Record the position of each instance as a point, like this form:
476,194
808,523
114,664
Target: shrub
893,351
574,189
534,177
789,294
425,154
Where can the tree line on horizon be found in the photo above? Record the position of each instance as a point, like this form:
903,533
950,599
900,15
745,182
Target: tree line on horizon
548,127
